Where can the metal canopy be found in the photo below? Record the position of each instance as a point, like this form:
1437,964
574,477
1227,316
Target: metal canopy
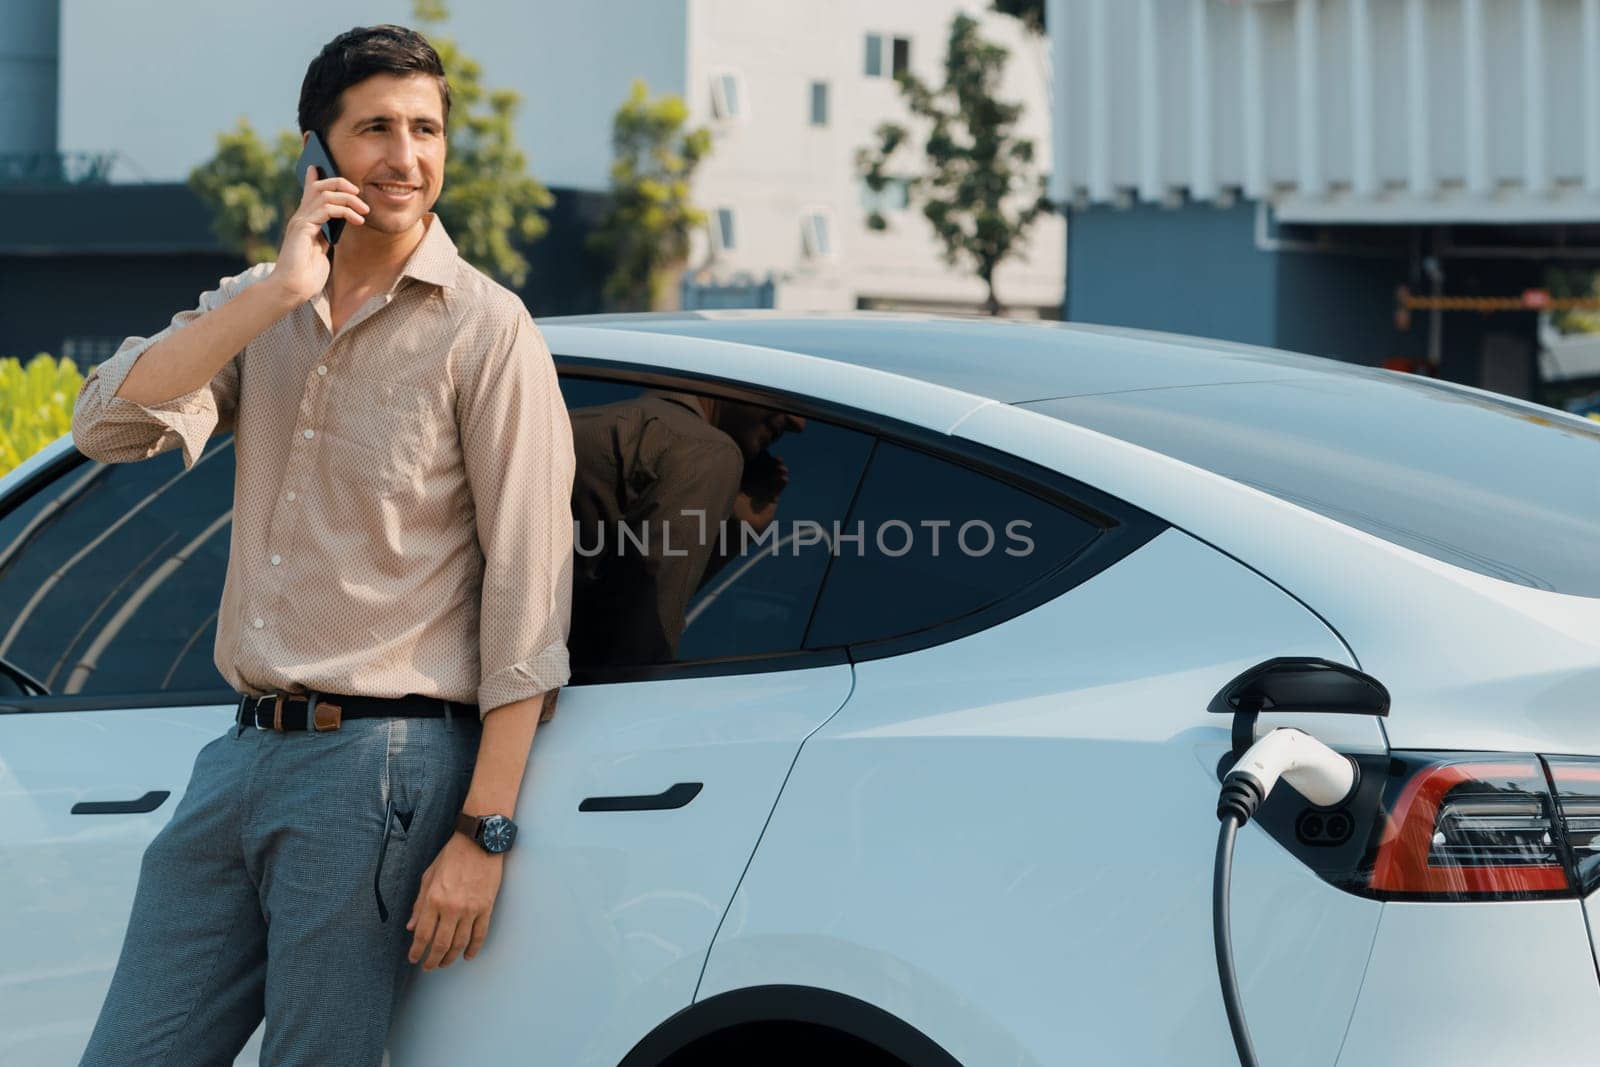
1333,111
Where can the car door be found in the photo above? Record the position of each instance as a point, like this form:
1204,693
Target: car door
692,691
110,577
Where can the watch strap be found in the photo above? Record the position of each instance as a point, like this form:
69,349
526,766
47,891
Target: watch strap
470,825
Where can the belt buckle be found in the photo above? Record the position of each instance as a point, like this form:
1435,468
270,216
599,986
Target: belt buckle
255,712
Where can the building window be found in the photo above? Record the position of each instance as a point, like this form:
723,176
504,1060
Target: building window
819,103
727,96
816,234
894,196
89,350
902,55
899,55
722,230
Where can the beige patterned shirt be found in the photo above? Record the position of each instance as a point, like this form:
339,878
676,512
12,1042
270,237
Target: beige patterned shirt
402,515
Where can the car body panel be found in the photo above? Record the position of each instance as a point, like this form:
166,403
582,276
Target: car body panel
1006,841
69,879
1477,983
605,918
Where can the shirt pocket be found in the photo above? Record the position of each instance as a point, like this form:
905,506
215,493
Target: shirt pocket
377,433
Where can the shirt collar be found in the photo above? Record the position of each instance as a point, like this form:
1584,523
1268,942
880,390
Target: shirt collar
434,259
688,400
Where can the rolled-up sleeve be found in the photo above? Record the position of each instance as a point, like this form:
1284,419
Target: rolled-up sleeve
114,429
516,444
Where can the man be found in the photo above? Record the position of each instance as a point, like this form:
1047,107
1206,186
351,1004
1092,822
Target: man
688,477
396,606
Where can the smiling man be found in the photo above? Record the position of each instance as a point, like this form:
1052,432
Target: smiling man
396,607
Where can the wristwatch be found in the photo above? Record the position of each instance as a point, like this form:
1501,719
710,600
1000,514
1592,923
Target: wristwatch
494,833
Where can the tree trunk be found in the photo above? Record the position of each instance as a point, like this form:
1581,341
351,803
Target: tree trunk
667,288
991,304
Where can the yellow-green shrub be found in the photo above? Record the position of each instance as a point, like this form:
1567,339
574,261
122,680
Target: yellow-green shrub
35,405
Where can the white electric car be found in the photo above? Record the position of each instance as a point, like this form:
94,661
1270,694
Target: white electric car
928,773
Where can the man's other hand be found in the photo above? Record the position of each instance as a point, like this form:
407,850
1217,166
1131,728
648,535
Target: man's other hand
302,267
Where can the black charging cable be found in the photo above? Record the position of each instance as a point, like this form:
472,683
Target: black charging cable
1235,806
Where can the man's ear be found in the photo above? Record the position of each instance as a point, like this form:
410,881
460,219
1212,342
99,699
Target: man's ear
304,137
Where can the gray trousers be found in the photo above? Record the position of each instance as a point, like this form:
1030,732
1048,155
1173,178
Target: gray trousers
282,887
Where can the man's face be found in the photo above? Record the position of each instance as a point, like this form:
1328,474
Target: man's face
389,139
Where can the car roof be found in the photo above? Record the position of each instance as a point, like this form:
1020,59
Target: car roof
1007,360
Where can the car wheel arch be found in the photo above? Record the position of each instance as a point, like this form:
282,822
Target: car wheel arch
809,1005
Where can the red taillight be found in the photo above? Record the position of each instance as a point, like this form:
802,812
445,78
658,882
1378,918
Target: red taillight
1471,829
1452,826
1577,784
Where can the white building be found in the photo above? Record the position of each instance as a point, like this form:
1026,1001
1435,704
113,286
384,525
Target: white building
156,82
1334,111
1332,176
791,91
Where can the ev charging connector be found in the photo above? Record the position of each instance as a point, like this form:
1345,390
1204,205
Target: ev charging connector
1321,775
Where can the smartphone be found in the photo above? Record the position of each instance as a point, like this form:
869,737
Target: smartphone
315,154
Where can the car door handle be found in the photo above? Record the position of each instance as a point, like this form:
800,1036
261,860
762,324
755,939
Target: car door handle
666,800
149,802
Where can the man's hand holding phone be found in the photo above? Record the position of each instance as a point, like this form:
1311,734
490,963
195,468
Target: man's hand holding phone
303,265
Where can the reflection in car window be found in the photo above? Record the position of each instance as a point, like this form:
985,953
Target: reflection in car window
1504,489
938,541
110,577
702,525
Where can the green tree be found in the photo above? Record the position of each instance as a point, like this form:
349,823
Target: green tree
644,234
980,190
35,405
490,204
250,188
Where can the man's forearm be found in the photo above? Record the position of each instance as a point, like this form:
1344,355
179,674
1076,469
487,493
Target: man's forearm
189,358
503,756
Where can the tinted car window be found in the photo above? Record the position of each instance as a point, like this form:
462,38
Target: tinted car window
110,577
701,523
1504,489
937,541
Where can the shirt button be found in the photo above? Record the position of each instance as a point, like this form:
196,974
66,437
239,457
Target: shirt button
322,370
309,434
276,560
259,623
291,495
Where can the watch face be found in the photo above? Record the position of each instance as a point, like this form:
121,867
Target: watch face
498,833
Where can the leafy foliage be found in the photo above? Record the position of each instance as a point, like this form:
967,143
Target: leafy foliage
645,231
981,191
490,204
35,405
1575,283
251,190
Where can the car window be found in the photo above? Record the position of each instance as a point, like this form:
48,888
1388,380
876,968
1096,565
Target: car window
938,541
110,576
702,525
1498,487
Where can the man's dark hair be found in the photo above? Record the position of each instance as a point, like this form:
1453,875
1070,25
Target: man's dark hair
357,55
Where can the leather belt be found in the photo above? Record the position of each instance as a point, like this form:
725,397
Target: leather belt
325,711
